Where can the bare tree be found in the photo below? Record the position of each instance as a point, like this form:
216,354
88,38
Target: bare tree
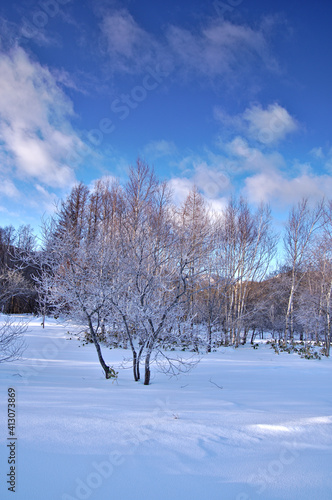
245,245
13,286
17,292
12,343
76,275
157,266
315,292
195,222
303,223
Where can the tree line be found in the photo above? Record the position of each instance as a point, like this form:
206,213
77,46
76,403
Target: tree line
136,270
17,288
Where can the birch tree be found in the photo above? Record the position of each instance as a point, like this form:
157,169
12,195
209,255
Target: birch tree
302,224
246,247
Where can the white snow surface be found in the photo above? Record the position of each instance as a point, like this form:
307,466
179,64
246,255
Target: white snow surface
243,424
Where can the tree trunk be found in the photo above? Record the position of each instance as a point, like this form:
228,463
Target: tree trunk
136,359
104,366
209,337
135,367
287,332
327,343
147,369
328,323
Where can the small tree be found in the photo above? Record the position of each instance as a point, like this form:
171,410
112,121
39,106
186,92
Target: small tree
155,266
77,271
12,342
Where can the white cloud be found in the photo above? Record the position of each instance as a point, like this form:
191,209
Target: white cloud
323,156
216,48
219,48
266,176
267,126
317,153
105,179
159,149
230,123
219,205
130,48
35,128
328,161
211,181
8,189
124,35
35,158
46,200
180,187
276,189
239,147
250,159
270,125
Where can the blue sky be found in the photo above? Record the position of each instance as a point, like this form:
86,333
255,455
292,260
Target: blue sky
233,96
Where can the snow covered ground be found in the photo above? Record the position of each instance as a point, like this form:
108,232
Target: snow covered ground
265,433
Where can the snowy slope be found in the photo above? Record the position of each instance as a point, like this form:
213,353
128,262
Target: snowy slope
265,433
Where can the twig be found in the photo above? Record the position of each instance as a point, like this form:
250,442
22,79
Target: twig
219,386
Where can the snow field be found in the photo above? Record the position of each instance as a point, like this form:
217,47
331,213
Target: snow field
244,424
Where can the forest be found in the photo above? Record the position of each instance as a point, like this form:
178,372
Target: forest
137,271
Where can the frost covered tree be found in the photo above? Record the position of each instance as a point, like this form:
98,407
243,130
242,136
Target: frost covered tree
209,299
126,263
315,293
303,223
77,271
243,250
155,266
12,342
17,293
194,224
